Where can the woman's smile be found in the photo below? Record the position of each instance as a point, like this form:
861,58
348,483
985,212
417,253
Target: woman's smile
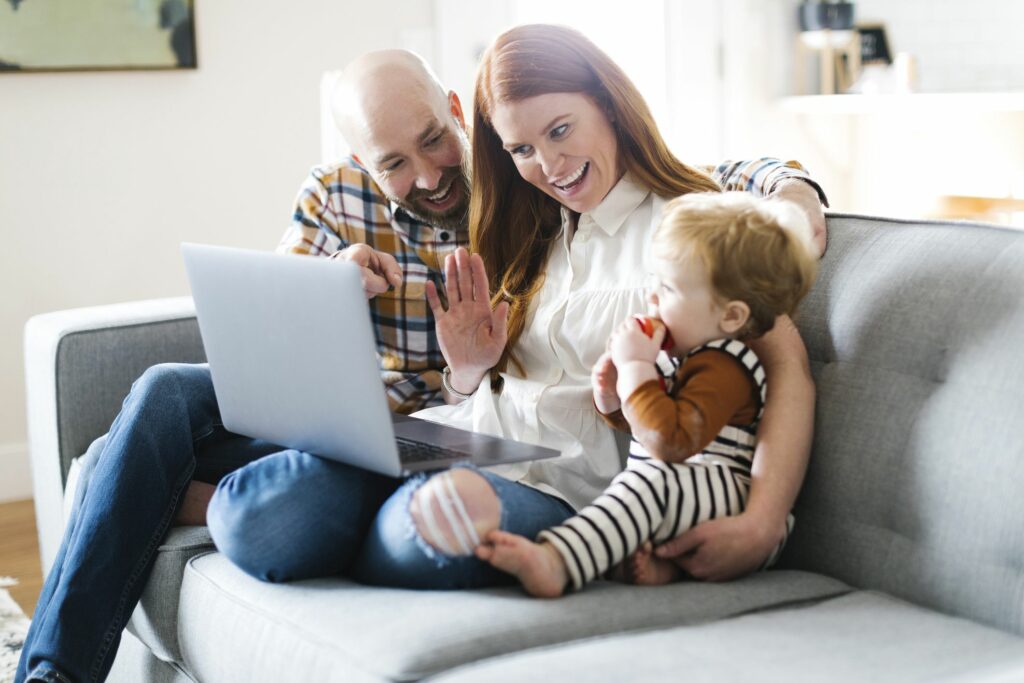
571,184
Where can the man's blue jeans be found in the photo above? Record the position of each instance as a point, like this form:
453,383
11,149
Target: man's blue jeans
284,515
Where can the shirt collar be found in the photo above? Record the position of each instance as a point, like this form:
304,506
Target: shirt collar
618,204
415,227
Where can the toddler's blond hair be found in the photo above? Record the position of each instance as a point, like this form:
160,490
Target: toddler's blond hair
756,251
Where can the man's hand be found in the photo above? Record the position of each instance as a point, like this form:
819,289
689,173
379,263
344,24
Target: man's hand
471,335
379,269
603,378
806,198
722,549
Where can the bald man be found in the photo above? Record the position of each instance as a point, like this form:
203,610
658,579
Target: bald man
396,208
416,151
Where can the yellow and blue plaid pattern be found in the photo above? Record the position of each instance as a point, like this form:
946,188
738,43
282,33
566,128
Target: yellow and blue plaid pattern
340,205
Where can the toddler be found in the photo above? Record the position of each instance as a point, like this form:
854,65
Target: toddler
726,266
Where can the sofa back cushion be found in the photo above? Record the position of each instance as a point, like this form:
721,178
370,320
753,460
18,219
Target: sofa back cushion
915,332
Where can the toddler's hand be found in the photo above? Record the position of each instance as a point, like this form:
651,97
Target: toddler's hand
603,378
629,343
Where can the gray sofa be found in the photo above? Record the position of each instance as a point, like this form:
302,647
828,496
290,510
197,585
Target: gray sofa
907,562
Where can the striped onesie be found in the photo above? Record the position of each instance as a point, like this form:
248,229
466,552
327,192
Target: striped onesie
655,500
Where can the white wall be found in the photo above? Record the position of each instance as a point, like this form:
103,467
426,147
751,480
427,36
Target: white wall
959,46
102,175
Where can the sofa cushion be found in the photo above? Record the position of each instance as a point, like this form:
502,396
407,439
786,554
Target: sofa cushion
155,619
233,627
136,663
862,636
914,331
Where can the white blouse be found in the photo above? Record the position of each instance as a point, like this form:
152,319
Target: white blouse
595,278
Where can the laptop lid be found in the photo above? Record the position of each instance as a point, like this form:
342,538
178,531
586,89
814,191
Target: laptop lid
293,359
291,352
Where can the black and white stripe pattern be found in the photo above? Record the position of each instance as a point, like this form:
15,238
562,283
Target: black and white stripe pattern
654,500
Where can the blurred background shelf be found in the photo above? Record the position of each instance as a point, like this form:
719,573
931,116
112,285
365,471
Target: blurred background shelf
904,103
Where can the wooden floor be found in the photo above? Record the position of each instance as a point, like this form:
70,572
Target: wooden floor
19,552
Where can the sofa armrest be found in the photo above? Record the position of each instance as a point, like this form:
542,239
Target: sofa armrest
79,366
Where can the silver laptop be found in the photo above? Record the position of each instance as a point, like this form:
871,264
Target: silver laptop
293,359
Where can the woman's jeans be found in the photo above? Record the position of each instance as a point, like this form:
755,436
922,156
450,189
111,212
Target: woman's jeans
284,515
293,515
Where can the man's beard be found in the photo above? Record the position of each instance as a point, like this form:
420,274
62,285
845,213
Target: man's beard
453,218
457,216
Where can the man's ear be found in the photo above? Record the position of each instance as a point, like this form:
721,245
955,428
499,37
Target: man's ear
735,315
455,107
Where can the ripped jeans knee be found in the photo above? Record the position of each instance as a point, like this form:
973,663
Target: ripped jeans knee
453,511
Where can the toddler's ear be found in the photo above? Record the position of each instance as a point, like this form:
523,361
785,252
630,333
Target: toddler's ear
735,315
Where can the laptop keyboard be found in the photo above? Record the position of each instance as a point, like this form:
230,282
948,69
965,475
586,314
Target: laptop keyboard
417,451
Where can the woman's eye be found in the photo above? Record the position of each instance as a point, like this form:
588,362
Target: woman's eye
433,141
559,131
521,150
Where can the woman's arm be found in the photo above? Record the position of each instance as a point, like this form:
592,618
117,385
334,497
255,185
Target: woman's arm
732,546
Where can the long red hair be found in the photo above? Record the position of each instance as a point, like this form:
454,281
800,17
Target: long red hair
512,223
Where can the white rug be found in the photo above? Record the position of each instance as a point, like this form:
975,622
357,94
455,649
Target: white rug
13,627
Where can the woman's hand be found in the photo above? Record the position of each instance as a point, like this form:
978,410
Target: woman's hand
471,335
722,549
603,378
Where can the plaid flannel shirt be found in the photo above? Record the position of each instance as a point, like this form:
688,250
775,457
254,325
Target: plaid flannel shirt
340,205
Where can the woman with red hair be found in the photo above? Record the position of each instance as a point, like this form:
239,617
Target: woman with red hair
569,176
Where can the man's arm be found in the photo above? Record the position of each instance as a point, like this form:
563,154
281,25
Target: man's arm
317,229
314,229
408,392
806,199
732,546
789,181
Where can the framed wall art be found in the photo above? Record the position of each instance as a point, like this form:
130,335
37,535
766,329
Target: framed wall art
89,35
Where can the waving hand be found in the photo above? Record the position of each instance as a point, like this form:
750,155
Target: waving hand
472,335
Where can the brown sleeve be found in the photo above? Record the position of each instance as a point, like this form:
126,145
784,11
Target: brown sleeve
715,390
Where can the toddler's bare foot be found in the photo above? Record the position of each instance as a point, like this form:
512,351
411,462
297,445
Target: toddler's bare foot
538,566
646,569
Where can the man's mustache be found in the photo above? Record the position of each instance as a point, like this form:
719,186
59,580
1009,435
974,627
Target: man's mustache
447,176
